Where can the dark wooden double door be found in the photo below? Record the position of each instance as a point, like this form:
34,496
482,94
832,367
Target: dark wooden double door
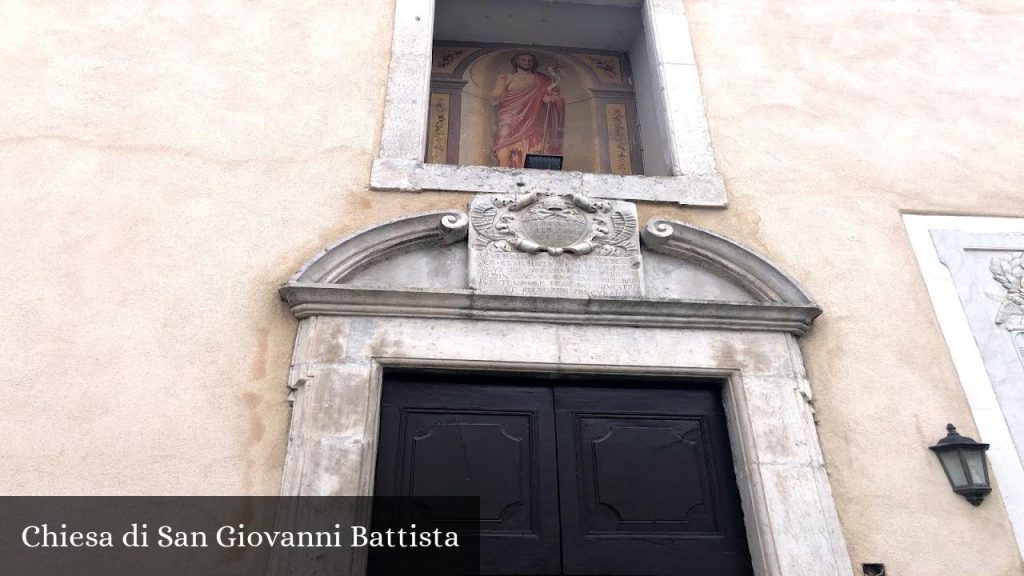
574,477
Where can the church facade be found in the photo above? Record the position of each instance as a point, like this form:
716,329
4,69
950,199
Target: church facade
261,249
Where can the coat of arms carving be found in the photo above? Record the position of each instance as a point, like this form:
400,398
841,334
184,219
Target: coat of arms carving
556,224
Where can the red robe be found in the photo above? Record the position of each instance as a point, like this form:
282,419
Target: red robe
528,124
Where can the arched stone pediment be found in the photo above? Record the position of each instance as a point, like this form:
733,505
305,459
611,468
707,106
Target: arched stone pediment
343,261
747,270
418,266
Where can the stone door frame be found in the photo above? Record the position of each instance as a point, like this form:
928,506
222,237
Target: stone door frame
349,335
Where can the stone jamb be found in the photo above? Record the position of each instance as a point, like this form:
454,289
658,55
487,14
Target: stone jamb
679,109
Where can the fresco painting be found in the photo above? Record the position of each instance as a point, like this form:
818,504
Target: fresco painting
530,110
492,105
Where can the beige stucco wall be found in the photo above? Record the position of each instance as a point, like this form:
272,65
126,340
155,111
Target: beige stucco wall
164,167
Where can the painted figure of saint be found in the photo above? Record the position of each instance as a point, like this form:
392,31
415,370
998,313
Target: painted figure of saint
531,113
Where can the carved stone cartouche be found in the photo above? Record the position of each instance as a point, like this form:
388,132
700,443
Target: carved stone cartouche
599,237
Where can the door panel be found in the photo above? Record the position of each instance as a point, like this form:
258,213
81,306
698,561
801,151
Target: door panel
624,460
495,442
591,479
646,483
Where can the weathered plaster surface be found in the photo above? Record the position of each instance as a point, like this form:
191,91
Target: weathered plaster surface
165,167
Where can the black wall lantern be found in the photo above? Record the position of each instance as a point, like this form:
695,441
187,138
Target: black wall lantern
963,460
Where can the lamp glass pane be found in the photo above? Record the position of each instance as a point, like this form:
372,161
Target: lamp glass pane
976,466
954,468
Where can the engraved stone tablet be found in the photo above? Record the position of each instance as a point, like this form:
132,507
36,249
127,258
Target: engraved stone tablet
565,245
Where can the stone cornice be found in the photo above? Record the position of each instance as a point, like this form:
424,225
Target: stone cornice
311,299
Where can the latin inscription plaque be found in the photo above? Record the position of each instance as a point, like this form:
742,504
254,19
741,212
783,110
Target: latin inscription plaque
567,245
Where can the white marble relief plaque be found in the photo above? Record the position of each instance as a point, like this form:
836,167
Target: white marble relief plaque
1009,272
568,245
988,273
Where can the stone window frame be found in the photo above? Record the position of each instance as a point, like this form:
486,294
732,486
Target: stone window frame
679,108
